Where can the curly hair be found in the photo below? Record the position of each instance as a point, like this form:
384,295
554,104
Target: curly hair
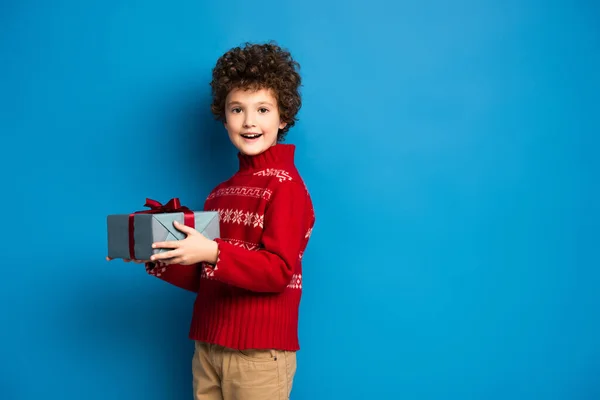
258,66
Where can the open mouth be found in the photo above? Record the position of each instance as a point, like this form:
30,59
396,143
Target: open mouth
252,135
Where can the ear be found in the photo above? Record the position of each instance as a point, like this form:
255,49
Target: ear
282,125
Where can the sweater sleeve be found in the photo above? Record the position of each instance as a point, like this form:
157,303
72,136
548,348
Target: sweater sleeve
270,268
183,276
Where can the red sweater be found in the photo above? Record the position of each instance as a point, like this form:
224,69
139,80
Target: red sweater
251,296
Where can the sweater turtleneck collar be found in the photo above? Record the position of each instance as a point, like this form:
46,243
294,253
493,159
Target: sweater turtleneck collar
278,155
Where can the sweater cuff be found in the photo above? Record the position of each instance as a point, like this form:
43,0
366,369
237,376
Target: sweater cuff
214,267
155,268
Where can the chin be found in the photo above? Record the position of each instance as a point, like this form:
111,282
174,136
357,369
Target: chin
253,149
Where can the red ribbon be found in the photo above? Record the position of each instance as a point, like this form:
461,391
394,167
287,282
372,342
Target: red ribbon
157,208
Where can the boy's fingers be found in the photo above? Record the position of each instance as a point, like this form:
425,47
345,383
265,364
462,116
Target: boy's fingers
166,245
184,228
165,255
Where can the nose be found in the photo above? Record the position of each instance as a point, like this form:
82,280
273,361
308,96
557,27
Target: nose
249,120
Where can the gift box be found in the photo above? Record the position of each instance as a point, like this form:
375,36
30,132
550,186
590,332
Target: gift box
130,236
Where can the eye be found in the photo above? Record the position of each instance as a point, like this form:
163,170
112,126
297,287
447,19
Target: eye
236,110
263,110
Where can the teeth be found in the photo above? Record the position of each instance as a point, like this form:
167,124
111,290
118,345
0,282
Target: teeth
251,136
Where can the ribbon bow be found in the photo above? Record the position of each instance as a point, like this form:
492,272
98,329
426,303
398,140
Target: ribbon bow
172,206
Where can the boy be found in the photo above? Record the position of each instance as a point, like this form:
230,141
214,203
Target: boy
249,281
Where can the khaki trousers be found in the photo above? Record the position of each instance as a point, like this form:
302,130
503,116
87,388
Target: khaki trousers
220,373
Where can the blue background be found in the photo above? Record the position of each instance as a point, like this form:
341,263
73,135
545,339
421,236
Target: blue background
449,149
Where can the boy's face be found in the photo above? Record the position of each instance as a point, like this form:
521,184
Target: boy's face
252,120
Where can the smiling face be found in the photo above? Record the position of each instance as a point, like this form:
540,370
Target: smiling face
252,120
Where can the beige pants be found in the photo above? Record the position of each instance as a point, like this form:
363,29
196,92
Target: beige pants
221,373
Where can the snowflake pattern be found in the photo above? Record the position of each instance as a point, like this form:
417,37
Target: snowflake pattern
259,220
237,217
248,217
241,217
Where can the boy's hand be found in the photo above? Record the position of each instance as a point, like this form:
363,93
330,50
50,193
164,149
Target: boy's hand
195,248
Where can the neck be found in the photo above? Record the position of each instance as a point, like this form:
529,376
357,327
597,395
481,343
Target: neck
278,155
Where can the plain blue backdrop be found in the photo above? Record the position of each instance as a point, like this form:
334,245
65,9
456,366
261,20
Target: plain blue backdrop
450,149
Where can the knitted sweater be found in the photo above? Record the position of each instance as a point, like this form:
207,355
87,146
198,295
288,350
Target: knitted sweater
250,298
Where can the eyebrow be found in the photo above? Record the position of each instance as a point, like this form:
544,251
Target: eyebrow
260,103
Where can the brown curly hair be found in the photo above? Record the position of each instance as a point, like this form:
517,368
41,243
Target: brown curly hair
258,66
